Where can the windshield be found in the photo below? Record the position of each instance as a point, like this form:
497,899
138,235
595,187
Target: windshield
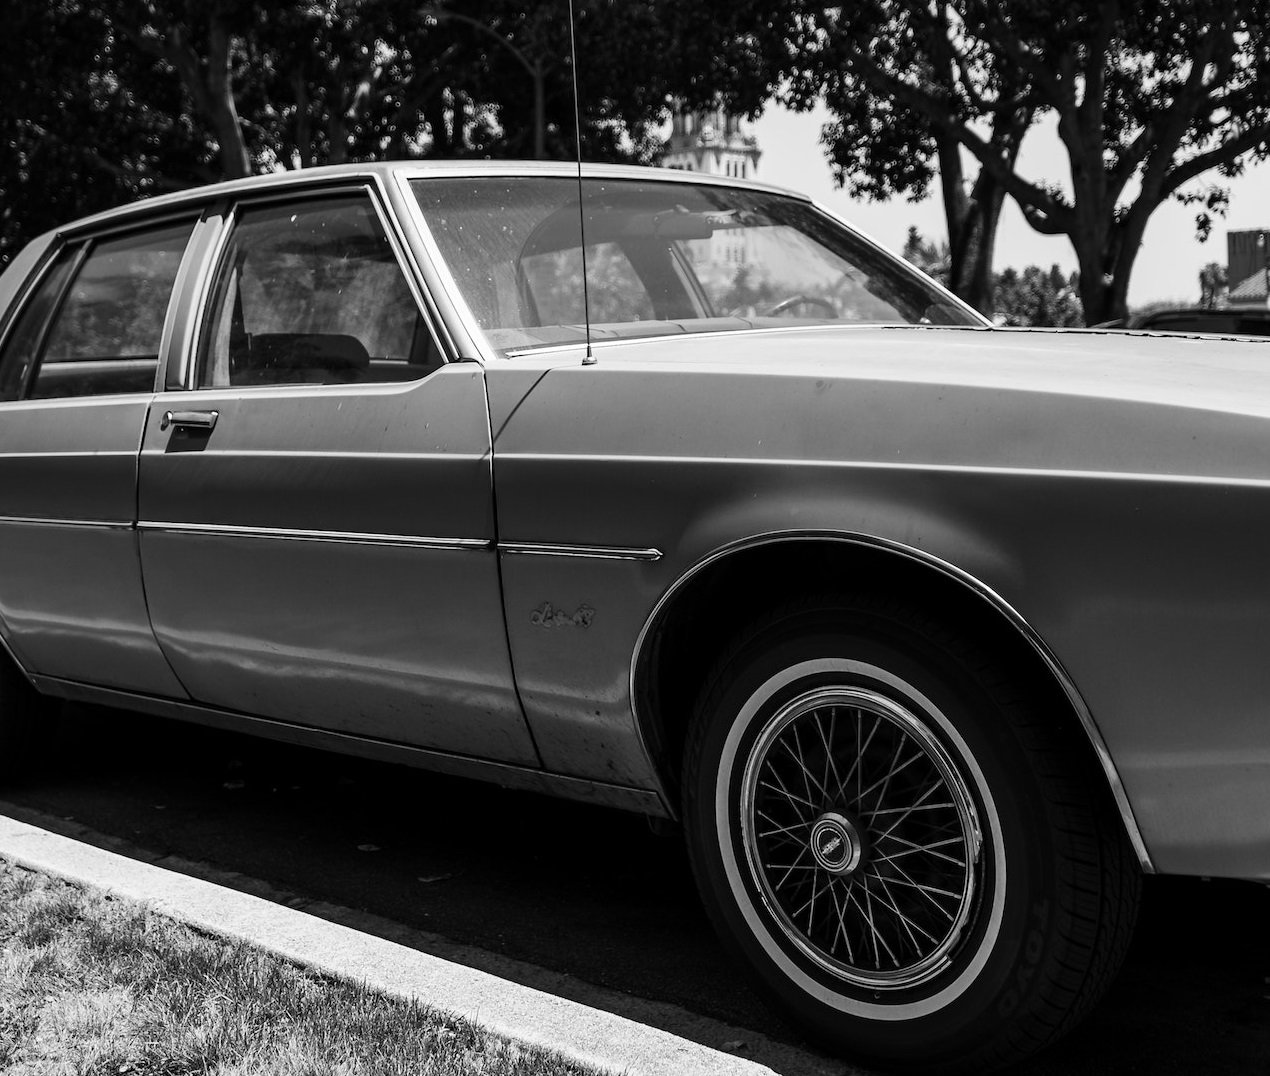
661,258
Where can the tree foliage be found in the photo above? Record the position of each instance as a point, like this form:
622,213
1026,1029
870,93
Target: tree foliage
111,100
1029,297
1148,98
1214,286
882,143
1038,297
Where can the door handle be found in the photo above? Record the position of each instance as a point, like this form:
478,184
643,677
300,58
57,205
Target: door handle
190,420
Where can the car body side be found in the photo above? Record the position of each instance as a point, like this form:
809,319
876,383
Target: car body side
1110,520
1119,534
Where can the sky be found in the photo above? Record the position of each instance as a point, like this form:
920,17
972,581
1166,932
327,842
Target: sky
1167,268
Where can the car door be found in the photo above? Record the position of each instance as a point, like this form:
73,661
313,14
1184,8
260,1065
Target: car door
316,507
78,366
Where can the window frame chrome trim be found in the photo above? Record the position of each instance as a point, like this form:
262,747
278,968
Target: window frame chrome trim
207,239
87,236
10,315
370,185
52,257
1079,707
404,541
405,175
418,276
448,285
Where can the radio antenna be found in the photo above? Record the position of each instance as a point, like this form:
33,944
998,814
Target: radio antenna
589,359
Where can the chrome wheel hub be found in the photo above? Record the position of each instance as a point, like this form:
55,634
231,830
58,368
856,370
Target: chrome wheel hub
835,843
862,836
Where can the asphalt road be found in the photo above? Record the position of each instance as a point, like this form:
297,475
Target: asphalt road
587,891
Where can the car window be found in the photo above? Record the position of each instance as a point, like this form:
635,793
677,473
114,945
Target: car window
662,258
104,336
23,347
310,292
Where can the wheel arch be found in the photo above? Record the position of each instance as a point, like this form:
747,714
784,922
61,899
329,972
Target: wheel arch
690,622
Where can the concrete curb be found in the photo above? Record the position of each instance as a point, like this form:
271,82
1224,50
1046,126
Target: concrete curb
588,1035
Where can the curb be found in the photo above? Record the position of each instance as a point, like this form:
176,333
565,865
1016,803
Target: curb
584,1034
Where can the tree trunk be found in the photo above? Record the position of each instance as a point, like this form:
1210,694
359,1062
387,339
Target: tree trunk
540,116
434,114
972,241
1092,255
234,159
972,228
303,120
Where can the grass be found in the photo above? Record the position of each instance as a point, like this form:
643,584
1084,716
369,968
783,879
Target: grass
91,985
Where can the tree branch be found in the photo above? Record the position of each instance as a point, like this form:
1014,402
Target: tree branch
1251,139
1048,215
136,176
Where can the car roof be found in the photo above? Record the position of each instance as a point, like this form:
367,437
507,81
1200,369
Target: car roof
412,169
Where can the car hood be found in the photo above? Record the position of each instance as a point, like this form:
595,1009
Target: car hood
1223,374
1074,401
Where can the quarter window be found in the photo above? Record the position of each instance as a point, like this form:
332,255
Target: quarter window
312,293
104,336
24,345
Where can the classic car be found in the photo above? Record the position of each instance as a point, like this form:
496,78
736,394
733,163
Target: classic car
934,637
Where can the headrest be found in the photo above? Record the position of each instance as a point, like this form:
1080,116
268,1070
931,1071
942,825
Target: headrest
333,352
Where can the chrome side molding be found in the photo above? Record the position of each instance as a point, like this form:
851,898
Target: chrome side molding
42,521
600,552
411,541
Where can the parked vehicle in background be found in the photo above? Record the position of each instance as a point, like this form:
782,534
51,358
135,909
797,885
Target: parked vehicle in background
1224,321
934,637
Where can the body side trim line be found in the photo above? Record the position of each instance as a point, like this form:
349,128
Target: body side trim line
981,589
412,541
916,466
506,774
41,521
602,552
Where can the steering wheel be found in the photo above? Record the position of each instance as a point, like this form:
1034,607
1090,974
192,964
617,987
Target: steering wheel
800,300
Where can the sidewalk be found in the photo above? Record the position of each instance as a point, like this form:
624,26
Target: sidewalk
517,1012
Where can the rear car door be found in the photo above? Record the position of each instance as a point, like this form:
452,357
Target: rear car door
316,506
78,362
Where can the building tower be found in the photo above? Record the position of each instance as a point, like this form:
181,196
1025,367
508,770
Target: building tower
712,142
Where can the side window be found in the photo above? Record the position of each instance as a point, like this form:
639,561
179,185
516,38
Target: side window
105,335
311,293
23,347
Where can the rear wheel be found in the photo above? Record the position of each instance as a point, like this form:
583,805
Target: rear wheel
899,842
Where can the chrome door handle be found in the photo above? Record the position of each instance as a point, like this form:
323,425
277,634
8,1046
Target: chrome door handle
191,420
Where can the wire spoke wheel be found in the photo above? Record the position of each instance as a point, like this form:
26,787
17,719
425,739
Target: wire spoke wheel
899,835
862,836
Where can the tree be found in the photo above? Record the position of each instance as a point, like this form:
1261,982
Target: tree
112,100
884,143
1213,285
934,261
195,39
1032,297
83,128
1038,297
1148,98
